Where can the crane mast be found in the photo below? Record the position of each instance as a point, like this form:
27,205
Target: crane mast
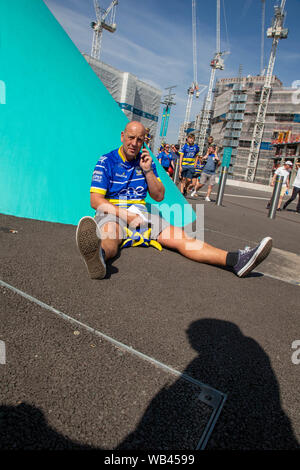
194,88
276,31
105,20
217,63
262,46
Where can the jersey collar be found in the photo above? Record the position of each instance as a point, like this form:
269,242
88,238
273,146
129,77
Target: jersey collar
122,156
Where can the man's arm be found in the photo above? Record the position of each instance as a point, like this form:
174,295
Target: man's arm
273,179
155,187
98,202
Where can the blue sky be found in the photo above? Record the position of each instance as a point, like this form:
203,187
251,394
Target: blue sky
154,42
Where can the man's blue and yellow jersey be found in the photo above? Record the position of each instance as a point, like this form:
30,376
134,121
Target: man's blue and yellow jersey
189,155
198,168
121,182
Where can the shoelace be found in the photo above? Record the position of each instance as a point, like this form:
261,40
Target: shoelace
245,250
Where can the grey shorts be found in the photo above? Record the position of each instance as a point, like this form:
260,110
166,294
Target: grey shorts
209,179
154,220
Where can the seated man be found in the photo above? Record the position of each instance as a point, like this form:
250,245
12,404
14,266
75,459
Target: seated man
119,186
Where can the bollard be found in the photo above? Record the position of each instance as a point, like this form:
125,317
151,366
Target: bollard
275,196
222,183
176,172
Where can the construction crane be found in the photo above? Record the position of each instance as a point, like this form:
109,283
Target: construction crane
276,31
168,102
103,22
194,89
217,63
262,44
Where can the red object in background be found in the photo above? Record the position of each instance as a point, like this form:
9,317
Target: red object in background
170,171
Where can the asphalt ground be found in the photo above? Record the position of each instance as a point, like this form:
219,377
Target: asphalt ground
120,363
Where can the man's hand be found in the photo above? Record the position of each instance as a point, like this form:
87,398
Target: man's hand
146,160
134,220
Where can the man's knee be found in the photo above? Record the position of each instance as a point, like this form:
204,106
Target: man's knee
172,235
111,231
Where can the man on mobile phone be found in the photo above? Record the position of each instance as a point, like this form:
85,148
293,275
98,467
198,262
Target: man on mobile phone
120,183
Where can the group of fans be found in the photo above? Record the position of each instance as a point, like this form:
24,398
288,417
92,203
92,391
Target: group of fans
195,170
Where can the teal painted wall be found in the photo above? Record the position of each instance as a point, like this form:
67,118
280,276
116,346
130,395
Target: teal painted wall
58,118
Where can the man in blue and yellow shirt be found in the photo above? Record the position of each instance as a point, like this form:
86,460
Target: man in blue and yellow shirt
187,162
120,182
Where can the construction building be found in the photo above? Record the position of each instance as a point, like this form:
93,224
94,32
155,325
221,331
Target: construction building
138,100
232,120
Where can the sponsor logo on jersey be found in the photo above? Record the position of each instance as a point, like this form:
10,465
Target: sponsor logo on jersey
131,192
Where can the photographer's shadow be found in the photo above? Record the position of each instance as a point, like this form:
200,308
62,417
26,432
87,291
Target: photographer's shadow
252,418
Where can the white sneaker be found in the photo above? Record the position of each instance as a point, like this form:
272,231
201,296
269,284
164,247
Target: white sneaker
193,193
207,199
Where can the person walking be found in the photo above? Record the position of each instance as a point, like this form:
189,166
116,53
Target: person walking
296,190
187,163
284,171
175,158
211,162
165,158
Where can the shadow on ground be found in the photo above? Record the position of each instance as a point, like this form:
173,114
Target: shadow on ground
252,417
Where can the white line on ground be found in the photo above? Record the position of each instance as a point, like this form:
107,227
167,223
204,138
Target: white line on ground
239,195
294,283
212,397
116,343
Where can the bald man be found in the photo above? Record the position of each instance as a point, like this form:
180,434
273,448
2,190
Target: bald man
120,183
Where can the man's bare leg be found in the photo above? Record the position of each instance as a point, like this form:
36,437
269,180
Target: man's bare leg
182,184
111,238
209,189
280,202
176,239
241,262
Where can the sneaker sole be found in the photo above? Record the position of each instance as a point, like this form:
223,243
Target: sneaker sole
259,256
89,246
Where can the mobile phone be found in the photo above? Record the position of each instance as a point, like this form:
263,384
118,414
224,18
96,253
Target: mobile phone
143,148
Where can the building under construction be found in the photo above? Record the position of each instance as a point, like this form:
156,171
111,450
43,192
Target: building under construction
233,115
138,100
235,107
